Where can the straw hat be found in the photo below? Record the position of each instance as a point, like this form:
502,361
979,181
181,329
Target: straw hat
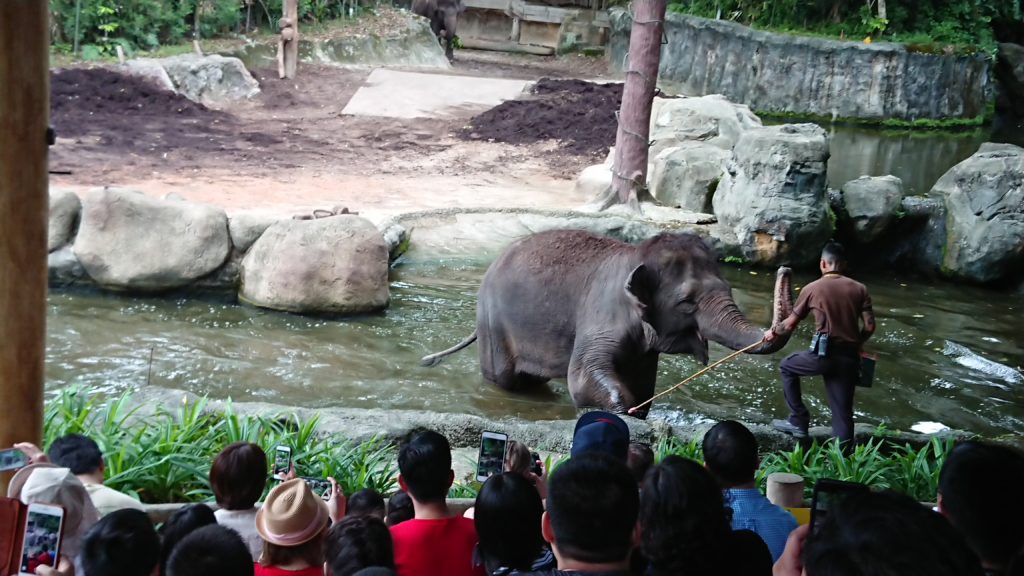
291,515
45,483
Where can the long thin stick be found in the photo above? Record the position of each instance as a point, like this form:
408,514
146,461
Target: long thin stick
634,409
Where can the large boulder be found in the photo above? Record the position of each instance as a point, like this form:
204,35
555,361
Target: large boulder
984,198
128,241
246,227
711,119
336,265
151,69
872,204
773,194
686,176
210,79
65,207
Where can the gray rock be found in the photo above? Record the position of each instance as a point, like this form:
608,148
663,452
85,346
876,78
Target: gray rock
210,79
984,199
336,265
129,241
686,176
64,269
396,237
773,194
151,69
871,203
711,119
65,208
594,182
246,227
1010,74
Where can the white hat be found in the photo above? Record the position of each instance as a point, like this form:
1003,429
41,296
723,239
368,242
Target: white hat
47,484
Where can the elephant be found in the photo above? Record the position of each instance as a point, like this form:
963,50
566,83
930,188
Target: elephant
443,15
599,312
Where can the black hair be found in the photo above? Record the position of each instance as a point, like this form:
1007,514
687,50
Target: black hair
123,543
399,509
592,505
507,515
639,459
425,463
366,502
358,542
834,254
182,523
684,523
211,551
730,453
238,476
972,474
886,534
76,452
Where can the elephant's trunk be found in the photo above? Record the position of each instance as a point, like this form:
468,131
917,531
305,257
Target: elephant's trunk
721,320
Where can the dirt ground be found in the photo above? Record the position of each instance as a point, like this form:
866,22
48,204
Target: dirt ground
290,149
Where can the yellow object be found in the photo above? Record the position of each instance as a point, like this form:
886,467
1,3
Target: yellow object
802,515
867,40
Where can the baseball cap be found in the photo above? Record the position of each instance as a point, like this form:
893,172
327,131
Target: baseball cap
602,432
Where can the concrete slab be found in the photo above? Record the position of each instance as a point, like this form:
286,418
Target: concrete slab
396,94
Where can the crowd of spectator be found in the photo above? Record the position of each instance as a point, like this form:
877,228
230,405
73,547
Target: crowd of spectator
609,510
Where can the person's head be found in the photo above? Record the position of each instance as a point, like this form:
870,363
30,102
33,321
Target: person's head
602,432
425,467
730,453
518,459
399,508
833,257
292,523
123,543
366,502
239,475
358,542
683,520
591,510
78,453
45,483
182,523
210,551
508,515
972,474
886,534
639,460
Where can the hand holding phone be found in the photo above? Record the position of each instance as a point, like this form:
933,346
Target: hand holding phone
282,462
491,459
44,526
538,465
320,486
12,459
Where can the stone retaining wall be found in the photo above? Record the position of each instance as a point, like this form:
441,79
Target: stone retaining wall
780,73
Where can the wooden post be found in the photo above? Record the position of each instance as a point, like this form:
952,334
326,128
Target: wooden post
629,171
24,212
288,45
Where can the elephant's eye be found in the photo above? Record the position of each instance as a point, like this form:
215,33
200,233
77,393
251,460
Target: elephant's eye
687,305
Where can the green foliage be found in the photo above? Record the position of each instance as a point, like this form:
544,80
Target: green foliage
734,260
166,456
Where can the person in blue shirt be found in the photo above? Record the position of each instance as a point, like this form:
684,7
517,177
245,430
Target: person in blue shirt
730,454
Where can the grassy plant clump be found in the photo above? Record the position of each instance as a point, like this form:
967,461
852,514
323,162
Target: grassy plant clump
166,456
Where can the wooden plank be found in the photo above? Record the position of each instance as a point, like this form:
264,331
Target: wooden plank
479,44
502,5
24,214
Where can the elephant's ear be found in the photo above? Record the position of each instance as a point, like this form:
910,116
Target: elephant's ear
640,287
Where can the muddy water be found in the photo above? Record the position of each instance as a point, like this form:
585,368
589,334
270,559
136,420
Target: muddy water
104,343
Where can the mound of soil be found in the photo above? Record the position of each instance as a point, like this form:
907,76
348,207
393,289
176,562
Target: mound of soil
579,114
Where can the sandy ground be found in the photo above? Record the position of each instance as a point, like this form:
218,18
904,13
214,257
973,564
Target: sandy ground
291,150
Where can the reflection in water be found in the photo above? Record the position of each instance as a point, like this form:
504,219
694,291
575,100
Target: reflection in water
104,343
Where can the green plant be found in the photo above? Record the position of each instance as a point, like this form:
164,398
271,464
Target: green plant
734,260
673,446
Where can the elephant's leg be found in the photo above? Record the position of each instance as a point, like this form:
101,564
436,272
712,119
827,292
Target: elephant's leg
436,25
593,379
639,375
450,22
497,361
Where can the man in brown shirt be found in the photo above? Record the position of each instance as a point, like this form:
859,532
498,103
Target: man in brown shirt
843,322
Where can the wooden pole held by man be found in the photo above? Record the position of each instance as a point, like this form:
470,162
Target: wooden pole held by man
24,211
288,43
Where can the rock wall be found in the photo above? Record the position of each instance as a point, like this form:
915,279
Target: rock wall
796,74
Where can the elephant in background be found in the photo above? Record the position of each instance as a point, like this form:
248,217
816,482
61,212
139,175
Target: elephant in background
599,312
443,16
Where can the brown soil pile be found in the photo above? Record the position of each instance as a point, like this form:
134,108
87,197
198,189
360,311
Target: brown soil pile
579,114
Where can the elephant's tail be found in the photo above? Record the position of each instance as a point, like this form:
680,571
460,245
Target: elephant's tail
435,359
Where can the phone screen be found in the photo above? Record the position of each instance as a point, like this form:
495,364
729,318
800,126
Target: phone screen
492,455
826,493
282,461
42,538
12,459
320,486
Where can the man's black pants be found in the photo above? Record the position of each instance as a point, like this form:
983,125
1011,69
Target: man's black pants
840,370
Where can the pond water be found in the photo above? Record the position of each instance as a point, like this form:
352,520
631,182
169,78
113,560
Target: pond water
105,343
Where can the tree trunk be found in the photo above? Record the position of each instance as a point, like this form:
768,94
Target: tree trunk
24,117
882,13
291,46
629,171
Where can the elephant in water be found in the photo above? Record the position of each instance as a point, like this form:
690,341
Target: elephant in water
443,16
570,304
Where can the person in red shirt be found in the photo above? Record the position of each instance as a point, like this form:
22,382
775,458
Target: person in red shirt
434,542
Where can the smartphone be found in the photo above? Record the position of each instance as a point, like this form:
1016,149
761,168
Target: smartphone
491,460
319,486
282,461
44,526
12,459
537,468
826,493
